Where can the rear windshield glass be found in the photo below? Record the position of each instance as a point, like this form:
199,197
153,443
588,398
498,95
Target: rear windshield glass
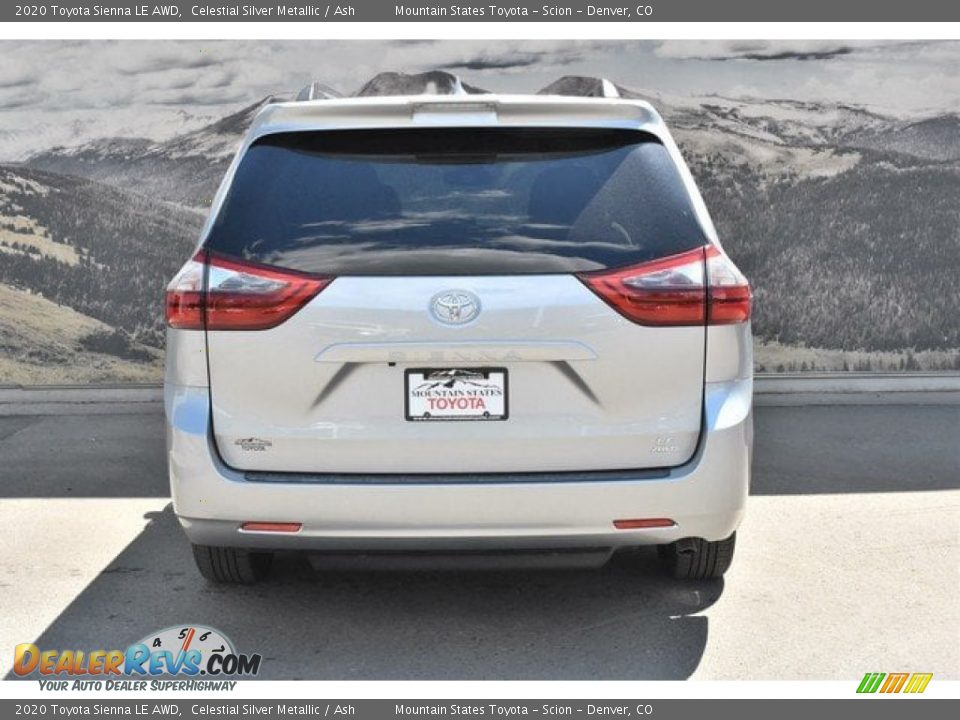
455,201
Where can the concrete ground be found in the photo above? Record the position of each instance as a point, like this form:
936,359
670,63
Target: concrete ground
848,562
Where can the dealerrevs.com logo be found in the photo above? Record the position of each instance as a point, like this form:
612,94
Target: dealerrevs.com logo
190,652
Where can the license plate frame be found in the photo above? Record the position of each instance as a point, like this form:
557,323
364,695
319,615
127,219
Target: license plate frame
490,379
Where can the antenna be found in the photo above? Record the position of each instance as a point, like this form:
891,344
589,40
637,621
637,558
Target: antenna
609,89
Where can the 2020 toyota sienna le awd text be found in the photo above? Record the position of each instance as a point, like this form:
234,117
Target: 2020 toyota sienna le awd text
464,324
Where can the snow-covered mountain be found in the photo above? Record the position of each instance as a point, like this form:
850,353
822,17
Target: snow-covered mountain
811,139
776,137
23,136
186,169
780,122
434,82
823,206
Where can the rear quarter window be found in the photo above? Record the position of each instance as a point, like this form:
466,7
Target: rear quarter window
455,201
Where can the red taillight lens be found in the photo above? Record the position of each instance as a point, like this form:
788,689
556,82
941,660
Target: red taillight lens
185,295
238,295
669,291
696,287
248,296
730,299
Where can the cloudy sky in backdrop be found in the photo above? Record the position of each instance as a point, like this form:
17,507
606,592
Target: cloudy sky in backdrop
58,92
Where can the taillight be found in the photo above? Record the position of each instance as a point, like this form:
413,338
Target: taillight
248,296
238,295
730,298
669,291
696,287
185,295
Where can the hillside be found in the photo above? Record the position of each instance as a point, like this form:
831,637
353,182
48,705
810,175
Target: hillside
935,139
102,251
42,343
862,259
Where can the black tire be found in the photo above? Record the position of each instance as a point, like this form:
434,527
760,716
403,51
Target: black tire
697,559
231,565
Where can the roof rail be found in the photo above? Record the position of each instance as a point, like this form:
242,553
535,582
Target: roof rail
609,89
318,91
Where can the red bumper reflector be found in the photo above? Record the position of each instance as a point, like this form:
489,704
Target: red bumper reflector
281,527
640,523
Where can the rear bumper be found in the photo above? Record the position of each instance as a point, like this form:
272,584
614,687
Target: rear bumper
705,497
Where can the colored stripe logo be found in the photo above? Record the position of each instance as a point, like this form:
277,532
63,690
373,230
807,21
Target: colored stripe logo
894,682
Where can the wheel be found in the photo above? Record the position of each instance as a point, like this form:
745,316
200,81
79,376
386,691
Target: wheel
697,559
231,565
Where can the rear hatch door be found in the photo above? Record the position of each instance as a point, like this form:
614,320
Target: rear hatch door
461,324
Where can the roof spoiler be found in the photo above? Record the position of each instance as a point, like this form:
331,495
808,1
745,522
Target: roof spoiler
319,91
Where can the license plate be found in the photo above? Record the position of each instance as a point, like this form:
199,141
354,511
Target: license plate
456,394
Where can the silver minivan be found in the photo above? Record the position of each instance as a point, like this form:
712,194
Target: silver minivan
494,325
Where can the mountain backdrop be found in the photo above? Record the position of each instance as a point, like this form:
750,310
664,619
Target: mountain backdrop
846,221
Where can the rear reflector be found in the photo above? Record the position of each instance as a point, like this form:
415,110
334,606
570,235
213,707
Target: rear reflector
641,523
696,287
276,527
237,295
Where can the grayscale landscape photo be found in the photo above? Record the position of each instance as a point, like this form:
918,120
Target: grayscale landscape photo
831,169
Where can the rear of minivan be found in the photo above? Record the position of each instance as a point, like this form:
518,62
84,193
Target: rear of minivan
453,326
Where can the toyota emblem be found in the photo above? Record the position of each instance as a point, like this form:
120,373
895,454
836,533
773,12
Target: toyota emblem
455,307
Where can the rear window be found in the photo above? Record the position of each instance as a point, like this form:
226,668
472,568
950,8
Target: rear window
455,201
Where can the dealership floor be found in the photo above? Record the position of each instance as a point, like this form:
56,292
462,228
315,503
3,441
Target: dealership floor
848,562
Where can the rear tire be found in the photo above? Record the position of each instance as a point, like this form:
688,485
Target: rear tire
231,565
697,559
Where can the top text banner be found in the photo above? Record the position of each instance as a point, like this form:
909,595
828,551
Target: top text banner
644,11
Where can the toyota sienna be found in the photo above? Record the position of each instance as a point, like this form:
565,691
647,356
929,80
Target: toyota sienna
477,325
